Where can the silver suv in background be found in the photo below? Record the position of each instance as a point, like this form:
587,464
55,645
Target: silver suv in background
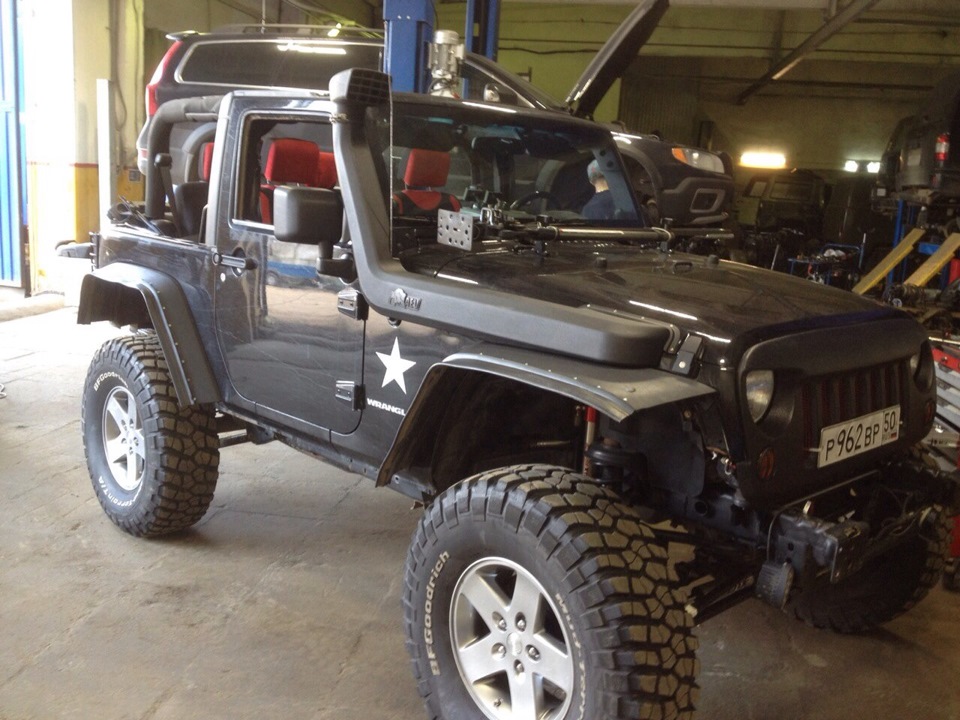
681,186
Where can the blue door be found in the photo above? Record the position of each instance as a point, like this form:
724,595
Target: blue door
12,201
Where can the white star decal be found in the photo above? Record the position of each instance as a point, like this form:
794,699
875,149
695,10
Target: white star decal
396,366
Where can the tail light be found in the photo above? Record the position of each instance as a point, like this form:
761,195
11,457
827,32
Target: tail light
942,148
150,95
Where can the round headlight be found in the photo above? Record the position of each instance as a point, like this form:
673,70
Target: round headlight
759,389
914,364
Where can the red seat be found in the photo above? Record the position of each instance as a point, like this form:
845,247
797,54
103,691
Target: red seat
206,161
326,170
426,170
290,161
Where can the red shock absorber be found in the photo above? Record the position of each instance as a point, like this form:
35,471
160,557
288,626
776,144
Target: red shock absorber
589,435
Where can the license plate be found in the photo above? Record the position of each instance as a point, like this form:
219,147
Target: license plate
843,440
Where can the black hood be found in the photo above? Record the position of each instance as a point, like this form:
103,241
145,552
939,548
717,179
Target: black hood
732,306
614,57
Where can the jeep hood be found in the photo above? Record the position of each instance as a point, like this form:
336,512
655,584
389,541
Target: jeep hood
732,306
614,57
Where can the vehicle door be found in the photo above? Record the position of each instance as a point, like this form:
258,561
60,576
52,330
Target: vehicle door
293,351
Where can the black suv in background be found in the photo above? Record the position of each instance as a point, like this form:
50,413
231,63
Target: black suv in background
680,185
919,165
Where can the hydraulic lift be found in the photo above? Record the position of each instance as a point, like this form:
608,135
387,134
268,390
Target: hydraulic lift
410,30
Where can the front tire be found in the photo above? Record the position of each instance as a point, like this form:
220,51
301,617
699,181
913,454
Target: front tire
886,588
153,464
532,593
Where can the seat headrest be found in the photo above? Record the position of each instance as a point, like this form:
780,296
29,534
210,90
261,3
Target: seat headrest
326,170
291,160
427,168
206,160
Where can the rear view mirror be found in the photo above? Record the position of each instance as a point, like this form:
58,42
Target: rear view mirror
494,93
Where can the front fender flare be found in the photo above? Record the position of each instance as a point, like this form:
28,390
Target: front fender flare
108,294
613,391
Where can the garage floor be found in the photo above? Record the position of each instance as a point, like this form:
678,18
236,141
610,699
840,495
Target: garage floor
284,601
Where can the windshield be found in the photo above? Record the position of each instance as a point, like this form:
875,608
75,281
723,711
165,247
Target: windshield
466,157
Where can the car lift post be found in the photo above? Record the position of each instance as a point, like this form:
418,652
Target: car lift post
482,30
409,32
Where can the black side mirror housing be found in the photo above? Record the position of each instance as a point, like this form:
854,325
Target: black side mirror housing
312,216
307,215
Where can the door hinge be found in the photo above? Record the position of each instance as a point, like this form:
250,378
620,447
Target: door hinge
352,304
688,357
351,393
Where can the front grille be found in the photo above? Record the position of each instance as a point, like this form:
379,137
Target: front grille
831,399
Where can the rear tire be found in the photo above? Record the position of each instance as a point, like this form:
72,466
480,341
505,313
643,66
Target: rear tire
532,593
153,464
886,588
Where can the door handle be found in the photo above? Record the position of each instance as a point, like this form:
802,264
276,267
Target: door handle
237,262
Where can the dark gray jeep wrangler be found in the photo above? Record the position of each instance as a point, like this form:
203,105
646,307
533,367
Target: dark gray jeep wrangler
429,292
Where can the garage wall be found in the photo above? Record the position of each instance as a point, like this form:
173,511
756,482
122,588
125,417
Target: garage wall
63,49
816,126
840,104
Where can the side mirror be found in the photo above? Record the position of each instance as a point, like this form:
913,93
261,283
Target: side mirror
313,216
494,93
307,215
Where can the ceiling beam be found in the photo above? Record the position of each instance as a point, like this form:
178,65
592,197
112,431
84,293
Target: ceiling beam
844,17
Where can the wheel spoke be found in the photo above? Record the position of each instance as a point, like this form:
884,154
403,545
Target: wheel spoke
138,445
485,597
526,695
116,449
554,663
478,662
118,413
526,599
133,473
132,419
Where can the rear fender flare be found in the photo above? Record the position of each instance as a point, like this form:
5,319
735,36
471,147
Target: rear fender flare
613,391
127,294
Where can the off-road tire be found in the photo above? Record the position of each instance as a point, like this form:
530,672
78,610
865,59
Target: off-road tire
886,588
166,484
602,583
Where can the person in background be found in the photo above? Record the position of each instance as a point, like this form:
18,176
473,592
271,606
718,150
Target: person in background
601,206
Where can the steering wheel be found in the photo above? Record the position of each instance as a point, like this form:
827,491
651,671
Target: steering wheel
531,197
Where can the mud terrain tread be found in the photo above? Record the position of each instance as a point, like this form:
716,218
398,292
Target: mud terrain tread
180,484
641,634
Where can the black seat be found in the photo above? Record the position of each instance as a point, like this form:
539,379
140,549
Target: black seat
191,199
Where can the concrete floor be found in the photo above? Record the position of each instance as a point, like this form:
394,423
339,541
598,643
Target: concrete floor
284,601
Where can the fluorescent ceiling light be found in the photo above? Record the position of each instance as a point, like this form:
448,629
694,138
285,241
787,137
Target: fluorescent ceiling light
763,159
311,49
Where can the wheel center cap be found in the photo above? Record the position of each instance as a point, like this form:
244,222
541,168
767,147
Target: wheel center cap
515,644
